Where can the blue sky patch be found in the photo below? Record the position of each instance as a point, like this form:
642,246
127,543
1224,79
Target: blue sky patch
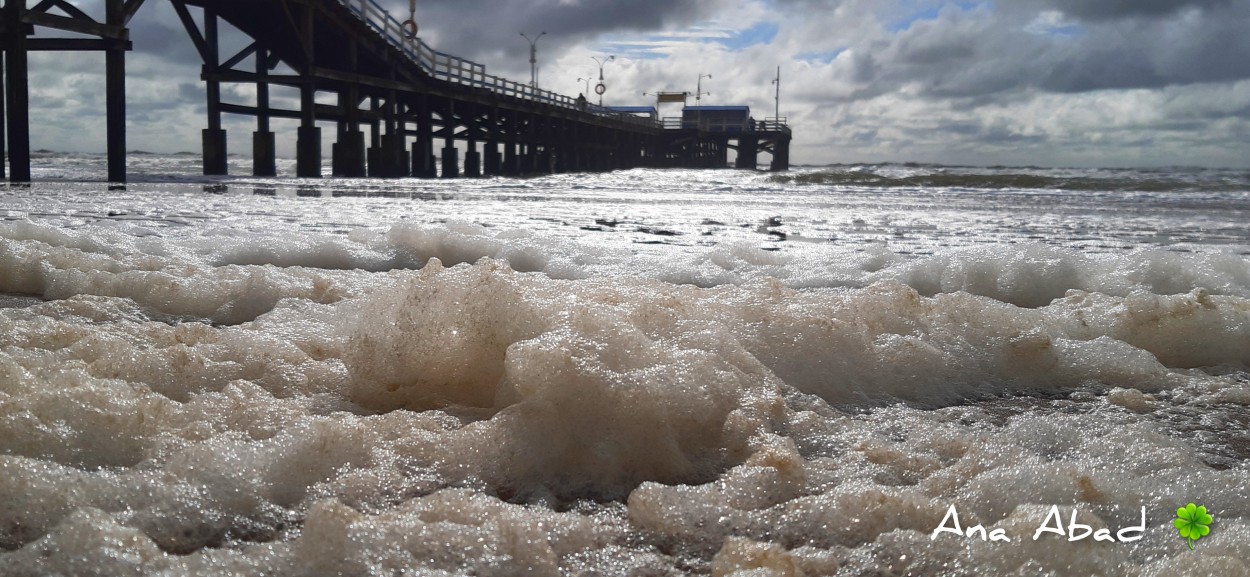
819,57
913,11
760,33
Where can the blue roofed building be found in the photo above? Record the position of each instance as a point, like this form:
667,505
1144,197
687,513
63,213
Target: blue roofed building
717,118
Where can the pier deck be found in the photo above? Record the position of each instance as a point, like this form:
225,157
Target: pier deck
405,95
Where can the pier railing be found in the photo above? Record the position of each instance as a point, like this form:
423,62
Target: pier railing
720,125
457,70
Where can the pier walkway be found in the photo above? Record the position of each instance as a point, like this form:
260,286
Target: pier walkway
359,71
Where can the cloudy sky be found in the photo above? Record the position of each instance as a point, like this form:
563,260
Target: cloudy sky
1018,82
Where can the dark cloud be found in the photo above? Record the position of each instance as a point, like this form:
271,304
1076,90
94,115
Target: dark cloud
898,78
477,28
1160,53
1095,10
977,53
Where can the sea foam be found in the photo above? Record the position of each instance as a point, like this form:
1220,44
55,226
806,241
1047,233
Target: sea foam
190,405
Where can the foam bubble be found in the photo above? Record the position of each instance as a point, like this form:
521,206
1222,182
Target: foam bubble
164,414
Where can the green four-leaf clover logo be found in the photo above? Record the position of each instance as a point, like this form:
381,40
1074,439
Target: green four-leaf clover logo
1193,522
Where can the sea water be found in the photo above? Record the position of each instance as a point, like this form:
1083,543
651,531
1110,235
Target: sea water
643,372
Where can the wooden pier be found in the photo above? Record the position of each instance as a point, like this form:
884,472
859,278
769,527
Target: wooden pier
410,98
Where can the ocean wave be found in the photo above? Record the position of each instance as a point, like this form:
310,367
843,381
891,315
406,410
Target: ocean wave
928,177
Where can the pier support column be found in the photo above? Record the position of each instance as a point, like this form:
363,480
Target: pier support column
573,148
562,158
492,161
431,166
529,161
308,136
213,141
395,155
373,155
17,104
510,161
374,167
347,157
748,152
423,163
264,154
612,154
349,154
451,160
264,147
213,138
542,137
3,129
781,155
472,161
308,152
525,146
115,96
388,155
594,158
494,166
540,160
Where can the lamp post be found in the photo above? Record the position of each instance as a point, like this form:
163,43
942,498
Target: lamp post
533,58
698,91
777,98
600,88
585,80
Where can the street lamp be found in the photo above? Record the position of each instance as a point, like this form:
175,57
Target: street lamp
777,98
585,80
698,91
600,88
533,58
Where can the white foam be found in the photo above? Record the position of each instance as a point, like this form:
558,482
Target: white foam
204,403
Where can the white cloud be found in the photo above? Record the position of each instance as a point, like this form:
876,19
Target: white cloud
1031,82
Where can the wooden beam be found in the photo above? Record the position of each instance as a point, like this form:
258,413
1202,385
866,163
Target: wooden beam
306,42
90,27
242,77
77,44
364,80
129,10
193,30
323,111
69,9
237,58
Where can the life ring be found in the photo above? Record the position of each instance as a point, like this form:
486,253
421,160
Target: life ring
410,28
600,89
